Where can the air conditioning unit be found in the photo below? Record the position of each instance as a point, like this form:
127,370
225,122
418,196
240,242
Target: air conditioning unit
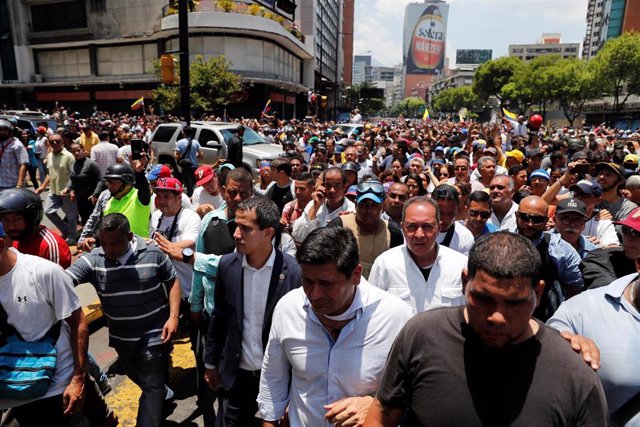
37,78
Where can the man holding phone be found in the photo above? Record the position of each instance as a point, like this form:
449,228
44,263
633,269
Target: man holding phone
328,202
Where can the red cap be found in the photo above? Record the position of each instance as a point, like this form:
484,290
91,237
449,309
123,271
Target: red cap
170,183
632,220
203,175
42,129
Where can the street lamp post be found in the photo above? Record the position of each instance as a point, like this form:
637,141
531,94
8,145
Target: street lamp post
183,29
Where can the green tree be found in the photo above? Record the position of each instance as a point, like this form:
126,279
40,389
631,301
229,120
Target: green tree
531,85
409,107
452,100
491,77
616,68
572,84
211,84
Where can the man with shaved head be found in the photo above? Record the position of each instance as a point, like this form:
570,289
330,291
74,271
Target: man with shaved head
560,261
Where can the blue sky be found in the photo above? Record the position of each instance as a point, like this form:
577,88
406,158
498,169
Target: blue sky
473,24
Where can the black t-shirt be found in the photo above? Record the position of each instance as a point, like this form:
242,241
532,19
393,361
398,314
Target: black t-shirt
280,195
442,375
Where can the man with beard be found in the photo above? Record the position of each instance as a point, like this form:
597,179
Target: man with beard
610,176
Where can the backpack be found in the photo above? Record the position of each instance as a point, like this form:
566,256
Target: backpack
26,368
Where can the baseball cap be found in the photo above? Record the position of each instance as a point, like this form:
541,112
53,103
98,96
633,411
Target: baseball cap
516,154
571,205
172,184
203,175
579,155
158,171
491,150
352,191
632,220
371,190
631,158
540,173
613,167
588,187
439,148
42,129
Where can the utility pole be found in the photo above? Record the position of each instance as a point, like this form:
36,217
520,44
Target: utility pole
183,28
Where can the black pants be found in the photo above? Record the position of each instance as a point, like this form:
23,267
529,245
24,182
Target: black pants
238,406
188,180
32,176
85,207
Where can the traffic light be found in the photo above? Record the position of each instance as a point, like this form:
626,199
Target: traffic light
168,69
323,102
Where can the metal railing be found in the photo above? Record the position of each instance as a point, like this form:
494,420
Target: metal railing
235,6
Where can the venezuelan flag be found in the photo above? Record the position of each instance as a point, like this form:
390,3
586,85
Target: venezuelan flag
426,116
138,104
266,107
508,114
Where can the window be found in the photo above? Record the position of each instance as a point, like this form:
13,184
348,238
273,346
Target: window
164,133
207,135
47,17
126,60
64,63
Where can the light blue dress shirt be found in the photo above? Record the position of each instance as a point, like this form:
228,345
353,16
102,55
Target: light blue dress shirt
323,370
613,323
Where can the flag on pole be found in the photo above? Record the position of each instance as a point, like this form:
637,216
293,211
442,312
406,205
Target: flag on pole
509,115
267,107
138,104
426,116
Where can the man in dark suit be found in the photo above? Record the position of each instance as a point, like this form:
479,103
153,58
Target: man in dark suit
249,284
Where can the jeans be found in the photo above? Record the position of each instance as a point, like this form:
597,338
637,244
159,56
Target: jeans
42,170
147,367
69,226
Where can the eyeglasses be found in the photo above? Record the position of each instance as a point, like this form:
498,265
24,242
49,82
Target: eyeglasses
412,227
460,168
567,220
445,174
482,214
534,219
630,232
111,180
497,187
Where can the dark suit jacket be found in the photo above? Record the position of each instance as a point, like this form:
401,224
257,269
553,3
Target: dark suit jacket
224,338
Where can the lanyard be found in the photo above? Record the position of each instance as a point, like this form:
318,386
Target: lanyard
172,230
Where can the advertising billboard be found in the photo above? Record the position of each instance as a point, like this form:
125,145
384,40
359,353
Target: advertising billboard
424,42
473,56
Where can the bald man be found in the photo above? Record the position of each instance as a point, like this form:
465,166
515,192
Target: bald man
560,261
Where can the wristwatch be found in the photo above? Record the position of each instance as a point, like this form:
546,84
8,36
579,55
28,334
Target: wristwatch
187,254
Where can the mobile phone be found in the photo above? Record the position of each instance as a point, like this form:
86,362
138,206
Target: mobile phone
581,168
136,149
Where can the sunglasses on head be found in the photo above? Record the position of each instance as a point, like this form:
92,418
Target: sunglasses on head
482,214
371,186
534,219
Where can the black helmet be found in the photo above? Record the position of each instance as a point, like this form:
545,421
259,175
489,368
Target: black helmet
122,172
25,202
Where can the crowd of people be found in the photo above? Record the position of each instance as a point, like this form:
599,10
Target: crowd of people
412,273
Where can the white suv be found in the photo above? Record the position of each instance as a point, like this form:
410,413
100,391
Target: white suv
213,138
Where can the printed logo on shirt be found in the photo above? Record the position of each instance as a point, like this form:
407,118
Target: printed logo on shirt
22,299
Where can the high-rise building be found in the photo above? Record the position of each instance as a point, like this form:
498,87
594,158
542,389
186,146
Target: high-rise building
361,69
549,45
98,54
348,8
607,19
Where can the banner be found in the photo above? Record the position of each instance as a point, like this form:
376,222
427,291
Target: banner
425,30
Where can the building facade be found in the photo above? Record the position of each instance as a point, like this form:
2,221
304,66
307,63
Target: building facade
549,45
607,19
99,54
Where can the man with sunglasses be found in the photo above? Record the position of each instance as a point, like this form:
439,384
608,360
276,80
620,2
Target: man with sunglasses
560,261
478,214
374,235
603,266
422,272
462,173
569,220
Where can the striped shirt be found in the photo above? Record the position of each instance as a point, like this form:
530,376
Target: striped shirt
46,244
134,295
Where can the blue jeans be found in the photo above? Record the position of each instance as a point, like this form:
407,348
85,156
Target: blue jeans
42,170
147,367
69,226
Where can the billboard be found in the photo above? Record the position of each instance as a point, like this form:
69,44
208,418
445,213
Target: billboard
424,41
473,56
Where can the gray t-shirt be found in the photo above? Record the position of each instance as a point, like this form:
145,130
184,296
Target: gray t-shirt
620,209
442,375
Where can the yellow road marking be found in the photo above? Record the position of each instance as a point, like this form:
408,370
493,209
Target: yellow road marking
124,398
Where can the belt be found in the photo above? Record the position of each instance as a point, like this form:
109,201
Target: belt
255,374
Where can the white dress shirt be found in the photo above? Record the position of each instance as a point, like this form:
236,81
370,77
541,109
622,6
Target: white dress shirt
255,289
395,272
323,370
509,222
304,225
462,238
